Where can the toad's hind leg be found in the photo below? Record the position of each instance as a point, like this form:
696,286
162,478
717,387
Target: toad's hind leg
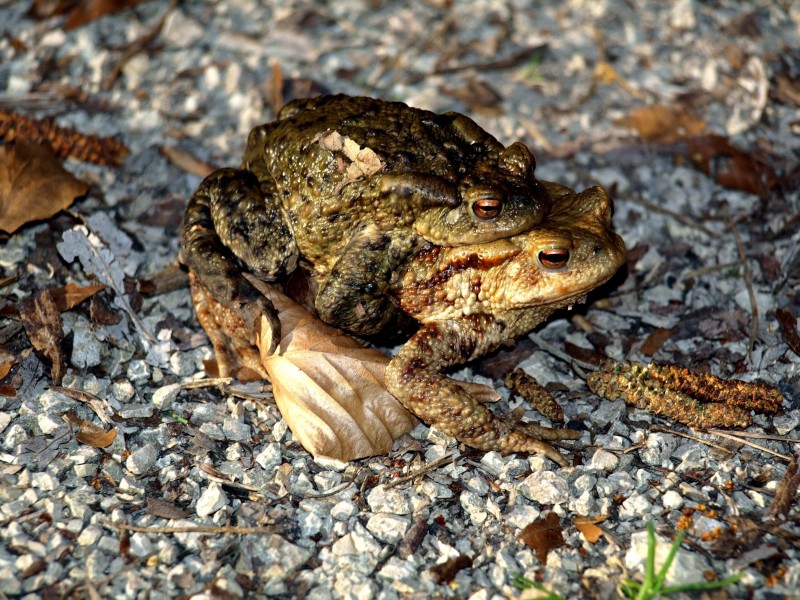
414,378
355,294
230,227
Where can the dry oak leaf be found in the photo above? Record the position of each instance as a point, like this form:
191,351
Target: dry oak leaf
33,185
328,387
543,535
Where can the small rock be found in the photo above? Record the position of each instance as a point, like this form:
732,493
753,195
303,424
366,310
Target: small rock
475,506
672,499
391,501
604,460
164,397
211,500
388,528
141,460
236,430
636,506
270,457
44,482
688,567
658,449
545,487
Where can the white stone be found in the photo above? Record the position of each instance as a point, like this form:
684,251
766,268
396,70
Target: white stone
211,500
672,499
688,567
164,397
604,460
545,487
388,528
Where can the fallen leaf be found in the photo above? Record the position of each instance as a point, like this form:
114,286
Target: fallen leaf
662,124
5,368
42,323
731,167
79,13
329,388
89,433
186,161
543,535
786,492
656,339
588,528
166,510
788,324
33,185
446,571
70,295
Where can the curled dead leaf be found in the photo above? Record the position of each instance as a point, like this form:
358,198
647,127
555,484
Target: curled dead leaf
330,388
89,433
33,185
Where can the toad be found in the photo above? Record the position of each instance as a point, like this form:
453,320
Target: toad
470,299
434,179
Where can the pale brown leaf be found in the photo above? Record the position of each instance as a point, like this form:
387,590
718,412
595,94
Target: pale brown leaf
329,388
166,510
186,161
588,528
364,161
89,433
662,124
33,185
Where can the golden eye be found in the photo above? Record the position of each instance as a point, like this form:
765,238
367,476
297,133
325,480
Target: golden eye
553,258
487,208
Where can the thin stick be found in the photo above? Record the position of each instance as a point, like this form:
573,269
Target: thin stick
762,436
751,444
189,529
692,437
422,470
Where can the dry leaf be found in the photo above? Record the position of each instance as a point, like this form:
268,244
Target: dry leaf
788,325
588,528
89,433
186,161
329,388
542,536
79,13
656,340
662,124
786,492
5,368
731,167
33,185
446,571
166,510
70,295
42,323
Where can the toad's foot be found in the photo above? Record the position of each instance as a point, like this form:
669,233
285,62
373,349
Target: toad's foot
414,378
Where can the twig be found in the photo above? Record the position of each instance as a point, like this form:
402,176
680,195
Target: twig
692,437
748,281
422,470
211,529
764,436
751,444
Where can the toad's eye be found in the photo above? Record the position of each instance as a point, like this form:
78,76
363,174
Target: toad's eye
553,258
487,208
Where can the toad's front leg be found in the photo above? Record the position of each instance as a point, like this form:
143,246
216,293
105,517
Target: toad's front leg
414,377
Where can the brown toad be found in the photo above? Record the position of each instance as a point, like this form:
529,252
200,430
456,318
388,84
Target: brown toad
468,300
471,299
441,179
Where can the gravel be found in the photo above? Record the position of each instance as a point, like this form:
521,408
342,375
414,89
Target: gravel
223,457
